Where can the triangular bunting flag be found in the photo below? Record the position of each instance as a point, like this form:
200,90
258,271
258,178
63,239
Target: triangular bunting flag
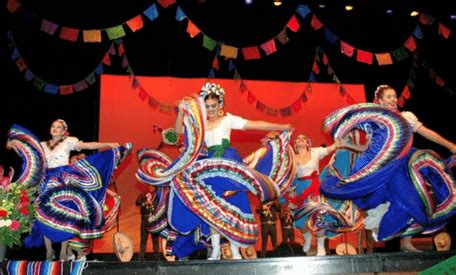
180,15
444,31
250,97
296,106
315,23
166,3
260,106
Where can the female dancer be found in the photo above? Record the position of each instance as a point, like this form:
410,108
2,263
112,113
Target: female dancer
217,132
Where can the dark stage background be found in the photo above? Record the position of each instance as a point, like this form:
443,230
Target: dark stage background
163,48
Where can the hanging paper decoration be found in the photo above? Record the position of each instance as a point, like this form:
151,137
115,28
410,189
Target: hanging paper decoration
364,57
91,36
136,23
269,47
166,3
192,29
69,34
180,15
410,44
303,10
444,31
282,37
48,27
316,23
293,24
384,59
400,54
13,5
228,51
209,43
250,53
151,12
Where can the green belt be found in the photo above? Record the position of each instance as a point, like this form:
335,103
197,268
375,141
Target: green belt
219,149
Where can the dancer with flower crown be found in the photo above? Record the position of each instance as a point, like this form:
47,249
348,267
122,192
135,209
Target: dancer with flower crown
217,136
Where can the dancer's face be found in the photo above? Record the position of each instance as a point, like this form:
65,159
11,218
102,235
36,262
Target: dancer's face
212,108
57,129
300,142
389,99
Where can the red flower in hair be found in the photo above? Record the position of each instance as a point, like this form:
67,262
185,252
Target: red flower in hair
3,213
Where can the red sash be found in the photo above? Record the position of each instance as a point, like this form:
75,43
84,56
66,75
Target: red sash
312,190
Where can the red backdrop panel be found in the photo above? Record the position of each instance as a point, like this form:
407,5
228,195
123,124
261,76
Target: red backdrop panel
126,116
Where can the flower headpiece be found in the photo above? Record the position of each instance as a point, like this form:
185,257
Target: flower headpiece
212,88
379,92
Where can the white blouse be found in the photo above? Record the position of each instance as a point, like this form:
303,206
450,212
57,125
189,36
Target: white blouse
215,135
60,156
316,154
412,120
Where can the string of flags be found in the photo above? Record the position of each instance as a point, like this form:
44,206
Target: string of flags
52,88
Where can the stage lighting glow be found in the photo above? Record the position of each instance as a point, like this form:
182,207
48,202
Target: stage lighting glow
248,2
321,6
389,11
453,17
349,7
277,2
414,13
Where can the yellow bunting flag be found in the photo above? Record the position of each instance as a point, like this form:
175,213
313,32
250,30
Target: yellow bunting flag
229,51
91,36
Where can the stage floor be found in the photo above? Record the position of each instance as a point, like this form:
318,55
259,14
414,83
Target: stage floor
377,263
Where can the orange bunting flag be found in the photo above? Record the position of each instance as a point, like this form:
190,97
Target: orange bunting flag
444,31
91,36
66,89
410,44
166,108
192,29
364,57
69,34
269,47
293,24
282,37
346,49
250,53
384,58
13,5
406,93
166,3
228,51
136,23
315,23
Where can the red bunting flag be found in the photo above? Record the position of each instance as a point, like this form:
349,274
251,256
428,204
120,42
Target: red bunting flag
136,23
444,31
69,34
143,93
293,24
192,29
260,106
315,68
243,87
20,63
106,60
424,19
269,47
406,93
250,97
410,44
296,106
250,53
325,59
66,89
350,100
215,63
121,50
315,23
439,81
400,102
166,3
364,57
13,5
346,49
